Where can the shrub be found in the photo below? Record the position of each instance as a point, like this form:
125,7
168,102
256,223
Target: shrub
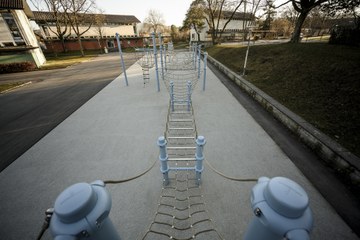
345,36
17,67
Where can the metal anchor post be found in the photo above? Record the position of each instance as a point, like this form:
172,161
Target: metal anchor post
163,159
199,168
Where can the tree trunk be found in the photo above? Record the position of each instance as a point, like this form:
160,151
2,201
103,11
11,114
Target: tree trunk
299,23
63,44
80,45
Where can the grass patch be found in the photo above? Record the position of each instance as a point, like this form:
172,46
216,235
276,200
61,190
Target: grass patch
64,61
7,86
318,81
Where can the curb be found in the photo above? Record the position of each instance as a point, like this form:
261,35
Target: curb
339,158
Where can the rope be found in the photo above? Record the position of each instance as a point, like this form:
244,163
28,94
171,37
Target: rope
231,178
132,178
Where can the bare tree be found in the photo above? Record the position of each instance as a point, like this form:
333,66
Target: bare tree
79,17
155,20
100,20
215,10
52,14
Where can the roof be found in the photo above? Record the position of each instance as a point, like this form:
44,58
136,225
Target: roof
109,18
16,4
11,4
239,15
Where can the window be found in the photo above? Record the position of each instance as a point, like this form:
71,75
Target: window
13,27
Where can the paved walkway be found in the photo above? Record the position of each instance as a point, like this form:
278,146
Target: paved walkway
113,136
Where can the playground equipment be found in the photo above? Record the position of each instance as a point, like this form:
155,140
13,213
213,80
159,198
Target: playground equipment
145,58
281,209
82,212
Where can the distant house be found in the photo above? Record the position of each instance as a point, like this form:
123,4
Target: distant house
234,30
18,42
98,36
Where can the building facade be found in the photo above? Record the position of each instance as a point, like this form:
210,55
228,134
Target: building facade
99,36
234,30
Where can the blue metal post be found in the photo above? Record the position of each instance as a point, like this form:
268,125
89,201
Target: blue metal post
165,52
156,63
205,63
172,95
122,59
199,57
188,95
163,157
194,52
161,56
199,168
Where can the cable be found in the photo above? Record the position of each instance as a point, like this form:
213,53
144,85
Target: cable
231,178
46,224
132,178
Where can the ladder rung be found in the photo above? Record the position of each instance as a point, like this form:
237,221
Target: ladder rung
181,128
181,112
180,148
181,120
181,137
182,159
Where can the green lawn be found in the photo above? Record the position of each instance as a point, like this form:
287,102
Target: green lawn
318,81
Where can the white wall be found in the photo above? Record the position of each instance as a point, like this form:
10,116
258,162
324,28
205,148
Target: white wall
29,36
109,30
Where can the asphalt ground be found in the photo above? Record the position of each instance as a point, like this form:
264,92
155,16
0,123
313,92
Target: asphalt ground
30,112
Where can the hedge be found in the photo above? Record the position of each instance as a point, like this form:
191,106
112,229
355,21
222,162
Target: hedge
17,67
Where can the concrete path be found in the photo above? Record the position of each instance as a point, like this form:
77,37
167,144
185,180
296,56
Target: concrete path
113,136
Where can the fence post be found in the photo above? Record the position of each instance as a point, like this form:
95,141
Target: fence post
122,59
156,63
205,63
163,157
199,156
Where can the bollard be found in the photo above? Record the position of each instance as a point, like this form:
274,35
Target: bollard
281,209
205,63
188,95
199,156
172,95
163,157
82,212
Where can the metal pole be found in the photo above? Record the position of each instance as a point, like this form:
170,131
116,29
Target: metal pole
122,59
161,56
165,52
172,95
199,168
156,64
247,53
189,95
163,157
194,52
205,63
199,57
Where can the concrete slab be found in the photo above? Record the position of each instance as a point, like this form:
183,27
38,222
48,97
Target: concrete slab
113,136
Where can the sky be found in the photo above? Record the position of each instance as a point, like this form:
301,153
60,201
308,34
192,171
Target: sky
173,11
